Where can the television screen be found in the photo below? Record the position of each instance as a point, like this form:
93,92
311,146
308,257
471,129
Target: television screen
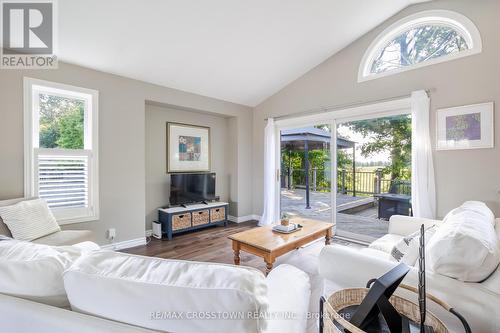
191,188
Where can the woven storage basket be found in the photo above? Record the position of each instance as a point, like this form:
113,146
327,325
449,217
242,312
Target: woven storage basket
354,296
201,217
181,221
217,214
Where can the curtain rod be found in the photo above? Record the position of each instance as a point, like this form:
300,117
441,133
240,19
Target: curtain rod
341,107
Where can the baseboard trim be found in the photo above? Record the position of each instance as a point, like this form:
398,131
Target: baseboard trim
239,219
125,244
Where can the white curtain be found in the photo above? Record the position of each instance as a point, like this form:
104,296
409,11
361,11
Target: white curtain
423,190
270,210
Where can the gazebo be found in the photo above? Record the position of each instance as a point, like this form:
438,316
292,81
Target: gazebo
310,138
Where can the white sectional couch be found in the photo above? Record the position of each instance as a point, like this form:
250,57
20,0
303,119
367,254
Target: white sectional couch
116,292
345,267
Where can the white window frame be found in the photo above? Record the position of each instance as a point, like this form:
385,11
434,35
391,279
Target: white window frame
454,20
32,87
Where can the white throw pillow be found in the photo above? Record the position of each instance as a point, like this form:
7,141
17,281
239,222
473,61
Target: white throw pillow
465,246
29,220
477,207
167,295
406,250
386,242
34,271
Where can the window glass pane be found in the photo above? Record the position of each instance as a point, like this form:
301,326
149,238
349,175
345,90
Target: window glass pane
61,122
306,174
418,45
373,175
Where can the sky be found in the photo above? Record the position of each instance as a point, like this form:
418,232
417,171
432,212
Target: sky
346,133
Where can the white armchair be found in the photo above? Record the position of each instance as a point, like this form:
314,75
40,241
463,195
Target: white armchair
479,303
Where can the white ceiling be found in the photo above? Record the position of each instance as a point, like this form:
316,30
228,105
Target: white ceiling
241,51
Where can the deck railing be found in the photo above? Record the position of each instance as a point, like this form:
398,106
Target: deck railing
348,181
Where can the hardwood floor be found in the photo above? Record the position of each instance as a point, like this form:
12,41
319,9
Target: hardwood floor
207,245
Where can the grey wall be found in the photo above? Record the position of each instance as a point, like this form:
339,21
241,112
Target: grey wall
157,180
121,142
460,175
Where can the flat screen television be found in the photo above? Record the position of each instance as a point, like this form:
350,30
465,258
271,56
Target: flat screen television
188,188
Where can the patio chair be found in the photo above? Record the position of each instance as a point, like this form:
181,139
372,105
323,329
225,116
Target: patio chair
396,202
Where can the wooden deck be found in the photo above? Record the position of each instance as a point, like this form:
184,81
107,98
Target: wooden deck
355,215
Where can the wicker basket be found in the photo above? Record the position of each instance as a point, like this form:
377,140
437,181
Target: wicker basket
349,297
181,221
201,217
217,214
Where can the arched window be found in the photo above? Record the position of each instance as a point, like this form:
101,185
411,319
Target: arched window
419,40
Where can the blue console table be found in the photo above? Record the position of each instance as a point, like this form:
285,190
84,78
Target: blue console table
174,220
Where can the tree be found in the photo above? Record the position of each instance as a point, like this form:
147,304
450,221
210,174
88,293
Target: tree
418,45
49,134
344,161
392,134
71,130
61,122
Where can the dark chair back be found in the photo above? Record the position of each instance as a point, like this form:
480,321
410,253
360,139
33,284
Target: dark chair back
400,187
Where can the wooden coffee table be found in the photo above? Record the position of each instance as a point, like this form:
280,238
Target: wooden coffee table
269,244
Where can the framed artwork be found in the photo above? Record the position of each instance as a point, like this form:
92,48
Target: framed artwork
188,148
465,127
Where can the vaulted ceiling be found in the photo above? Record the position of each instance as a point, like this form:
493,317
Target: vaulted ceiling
241,51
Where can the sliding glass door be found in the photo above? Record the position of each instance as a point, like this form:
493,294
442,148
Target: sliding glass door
306,172
373,175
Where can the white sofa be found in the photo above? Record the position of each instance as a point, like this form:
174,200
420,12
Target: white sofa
345,267
59,238
116,292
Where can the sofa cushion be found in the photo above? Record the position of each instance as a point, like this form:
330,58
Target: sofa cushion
4,230
22,316
407,249
30,219
167,295
477,207
465,246
492,283
288,310
65,237
34,271
10,202
373,253
386,243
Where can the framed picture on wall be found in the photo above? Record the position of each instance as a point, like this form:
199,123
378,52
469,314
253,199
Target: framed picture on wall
188,148
465,127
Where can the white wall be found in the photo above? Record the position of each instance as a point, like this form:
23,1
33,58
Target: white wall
157,179
460,175
121,141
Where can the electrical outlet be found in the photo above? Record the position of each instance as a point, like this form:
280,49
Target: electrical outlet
111,233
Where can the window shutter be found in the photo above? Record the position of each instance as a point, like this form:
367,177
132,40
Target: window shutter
63,178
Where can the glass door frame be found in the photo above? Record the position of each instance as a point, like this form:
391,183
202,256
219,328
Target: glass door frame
334,117
333,161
